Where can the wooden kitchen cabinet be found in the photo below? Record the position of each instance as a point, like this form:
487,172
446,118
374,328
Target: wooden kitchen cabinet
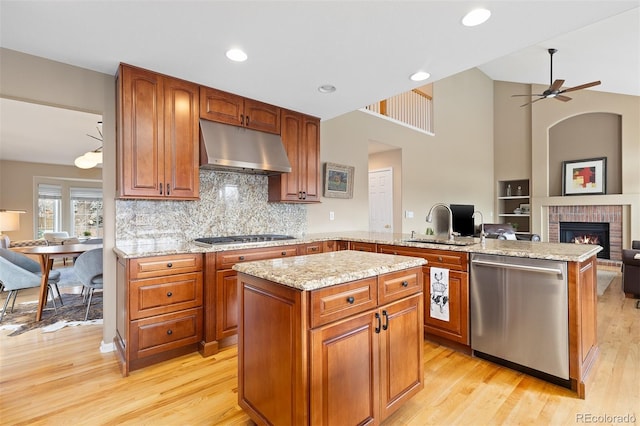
226,285
335,245
311,248
158,136
361,246
159,301
301,138
455,330
364,358
223,107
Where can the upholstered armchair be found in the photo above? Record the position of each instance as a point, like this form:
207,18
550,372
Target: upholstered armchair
631,270
18,272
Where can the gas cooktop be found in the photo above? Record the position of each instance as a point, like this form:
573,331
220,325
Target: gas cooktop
236,239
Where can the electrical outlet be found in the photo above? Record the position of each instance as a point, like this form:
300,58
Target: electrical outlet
332,216
408,214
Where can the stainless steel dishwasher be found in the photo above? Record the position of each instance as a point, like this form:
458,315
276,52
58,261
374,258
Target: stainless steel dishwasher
520,314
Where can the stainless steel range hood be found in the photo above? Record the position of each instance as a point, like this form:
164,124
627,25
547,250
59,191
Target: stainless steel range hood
238,149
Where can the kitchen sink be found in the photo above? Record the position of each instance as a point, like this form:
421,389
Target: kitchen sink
460,241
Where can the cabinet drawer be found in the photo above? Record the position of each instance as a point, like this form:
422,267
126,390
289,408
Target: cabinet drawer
225,260
439,258
340,301
155,266
311,248
359,246
162,295
396,285
151,336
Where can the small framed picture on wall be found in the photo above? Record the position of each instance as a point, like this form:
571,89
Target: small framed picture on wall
584,177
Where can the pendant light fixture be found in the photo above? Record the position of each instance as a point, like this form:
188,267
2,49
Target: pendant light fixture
91,158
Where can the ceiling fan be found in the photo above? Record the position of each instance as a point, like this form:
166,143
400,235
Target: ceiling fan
554,87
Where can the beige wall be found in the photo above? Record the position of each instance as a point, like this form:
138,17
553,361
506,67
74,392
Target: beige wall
514,125
455,165
32,79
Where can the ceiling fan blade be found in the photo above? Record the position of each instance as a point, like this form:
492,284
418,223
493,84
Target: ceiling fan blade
582,86
534,94
529,103
556,85
562,98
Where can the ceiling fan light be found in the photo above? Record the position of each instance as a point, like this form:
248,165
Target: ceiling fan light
476,17
83,162
94,156
419,76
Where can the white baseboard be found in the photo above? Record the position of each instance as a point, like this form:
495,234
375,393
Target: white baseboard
106,347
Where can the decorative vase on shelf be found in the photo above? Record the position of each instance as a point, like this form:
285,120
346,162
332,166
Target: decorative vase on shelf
519,191
508,190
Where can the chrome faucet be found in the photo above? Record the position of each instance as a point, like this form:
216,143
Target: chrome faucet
430,218
482,237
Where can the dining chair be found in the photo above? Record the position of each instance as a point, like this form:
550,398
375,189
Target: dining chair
88,268
18,272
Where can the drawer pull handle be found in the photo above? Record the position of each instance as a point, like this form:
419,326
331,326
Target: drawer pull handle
169,294
405,283
241,258
169,332
386,320
169,265
350,300
377,330
284,253
439,258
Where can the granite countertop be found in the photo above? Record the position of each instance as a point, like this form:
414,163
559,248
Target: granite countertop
534,250
314,271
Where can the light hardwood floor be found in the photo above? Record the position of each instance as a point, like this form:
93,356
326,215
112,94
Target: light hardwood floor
61,378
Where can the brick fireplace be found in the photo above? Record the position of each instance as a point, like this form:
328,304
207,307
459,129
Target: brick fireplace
612,215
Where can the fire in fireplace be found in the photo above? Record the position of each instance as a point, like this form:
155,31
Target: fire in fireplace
587,233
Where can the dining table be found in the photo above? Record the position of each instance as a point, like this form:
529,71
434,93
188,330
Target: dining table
47,254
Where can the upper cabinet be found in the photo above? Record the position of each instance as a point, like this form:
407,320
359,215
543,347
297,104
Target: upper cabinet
223,107
301,138
158,136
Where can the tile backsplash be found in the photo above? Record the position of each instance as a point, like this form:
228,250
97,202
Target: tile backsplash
230,204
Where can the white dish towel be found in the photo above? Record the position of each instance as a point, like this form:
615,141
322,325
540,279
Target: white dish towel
439,289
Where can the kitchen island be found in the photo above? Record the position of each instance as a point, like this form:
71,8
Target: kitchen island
220,297
331,338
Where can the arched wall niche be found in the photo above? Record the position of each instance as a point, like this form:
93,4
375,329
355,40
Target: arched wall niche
590,135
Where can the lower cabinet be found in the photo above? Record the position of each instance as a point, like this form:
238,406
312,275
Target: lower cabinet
456,328
347,354
159,303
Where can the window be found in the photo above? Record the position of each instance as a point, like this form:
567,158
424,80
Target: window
49,208
66,205
86,211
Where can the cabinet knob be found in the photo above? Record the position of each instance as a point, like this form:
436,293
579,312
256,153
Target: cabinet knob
169,294
439,258
405,283
350,300
241,258
169,265
169,332
284,253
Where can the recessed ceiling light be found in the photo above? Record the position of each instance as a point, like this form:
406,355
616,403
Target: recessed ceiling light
476,17
420,76
236,55
327,88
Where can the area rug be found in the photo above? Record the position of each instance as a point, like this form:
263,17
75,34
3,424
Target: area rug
604,279
23,317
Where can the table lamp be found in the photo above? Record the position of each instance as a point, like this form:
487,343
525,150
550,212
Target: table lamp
9,221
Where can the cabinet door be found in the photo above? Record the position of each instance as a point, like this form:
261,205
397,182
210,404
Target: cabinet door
457,328
223,107
261,116
285,186
140,147
401,366
181,139
344,372
226,303
310,161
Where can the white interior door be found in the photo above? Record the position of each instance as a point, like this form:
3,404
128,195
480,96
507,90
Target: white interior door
381,200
